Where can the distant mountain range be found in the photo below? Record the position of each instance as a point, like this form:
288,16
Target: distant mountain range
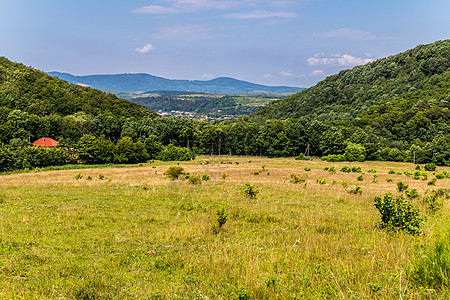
146,82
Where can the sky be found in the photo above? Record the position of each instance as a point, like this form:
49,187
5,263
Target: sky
272,42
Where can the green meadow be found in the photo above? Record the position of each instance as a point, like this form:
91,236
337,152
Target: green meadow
133,233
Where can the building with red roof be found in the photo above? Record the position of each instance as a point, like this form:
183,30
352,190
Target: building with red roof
46,142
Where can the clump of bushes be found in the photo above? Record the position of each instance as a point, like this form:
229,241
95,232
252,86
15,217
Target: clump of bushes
295,179
355,191
307,169
331,170
430,167
301,156
221,216
249,190
360,178
398,214
401,187
321,181
206,177
346,169
174,172
78,176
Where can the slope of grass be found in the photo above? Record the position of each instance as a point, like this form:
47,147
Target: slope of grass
137,234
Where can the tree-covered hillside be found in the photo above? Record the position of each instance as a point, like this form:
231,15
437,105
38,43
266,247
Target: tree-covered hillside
417,75
35,92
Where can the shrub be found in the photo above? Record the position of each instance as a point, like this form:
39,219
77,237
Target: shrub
249,190
432,182
375,178
205,177
89,178
356,169
355,191
398,214
431,268
295,179
442,175
321,181
401,187
78,176
301,156
435,200
372,171
307,169
430,167
101,176
346,169
174,172
360,178
225,176
389,180
391,171
194,179
331,170
222,216
412,194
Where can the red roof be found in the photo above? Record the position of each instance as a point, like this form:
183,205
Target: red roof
46,142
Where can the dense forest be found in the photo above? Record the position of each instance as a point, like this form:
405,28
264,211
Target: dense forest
392,109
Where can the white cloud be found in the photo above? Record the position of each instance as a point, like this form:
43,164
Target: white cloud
269,76
337,60
146,49
157,10
263,14
317,73
287,74
351,34
186,32
185,6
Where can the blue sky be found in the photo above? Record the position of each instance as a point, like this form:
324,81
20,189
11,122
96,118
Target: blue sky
274,42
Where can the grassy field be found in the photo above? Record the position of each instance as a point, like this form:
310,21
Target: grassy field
135,234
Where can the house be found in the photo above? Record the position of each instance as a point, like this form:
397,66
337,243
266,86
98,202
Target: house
46,142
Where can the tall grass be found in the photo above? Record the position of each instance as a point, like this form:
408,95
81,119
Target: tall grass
138,235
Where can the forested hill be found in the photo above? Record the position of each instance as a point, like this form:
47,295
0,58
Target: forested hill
33,91
397,82
146,82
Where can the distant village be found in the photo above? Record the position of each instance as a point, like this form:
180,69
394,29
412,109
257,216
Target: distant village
195,116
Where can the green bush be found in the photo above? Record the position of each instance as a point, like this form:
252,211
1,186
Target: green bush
249,190
222,216
78,176
301,156
355,191
321,181
401,187
205,177
432,181
430,167
346,169
372,171
360,178
295,179
307,169
194,179
174,172
412,194
356,169
331,170
398,214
